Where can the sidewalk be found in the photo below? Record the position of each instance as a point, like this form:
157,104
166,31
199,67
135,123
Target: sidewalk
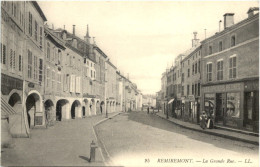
67,143
217,132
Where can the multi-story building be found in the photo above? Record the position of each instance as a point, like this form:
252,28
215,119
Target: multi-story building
230,73
191,81
163,92
22,63
111,86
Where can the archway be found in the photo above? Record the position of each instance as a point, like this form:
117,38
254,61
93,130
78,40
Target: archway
76,109
49,112
15,102
93,107
102,107
62,109
32,106
98,107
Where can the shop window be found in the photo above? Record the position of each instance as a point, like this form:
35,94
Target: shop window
209,103
209,72
232,67
220,70
233,105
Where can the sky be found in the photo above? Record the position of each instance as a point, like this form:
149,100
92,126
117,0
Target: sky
142,38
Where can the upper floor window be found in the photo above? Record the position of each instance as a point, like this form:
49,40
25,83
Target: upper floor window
210,50
220,47
209,72
233,40
196,66
193,69
36,31
232,67
48,51
220,70
182,77
199,67
29,64
30,24
188,73
41,37
3,53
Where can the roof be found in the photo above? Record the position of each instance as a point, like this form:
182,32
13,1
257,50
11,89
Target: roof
110,63
56,40
36,5
252,9
100,51
228,29
191,51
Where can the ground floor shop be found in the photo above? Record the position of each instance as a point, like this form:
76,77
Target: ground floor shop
234,105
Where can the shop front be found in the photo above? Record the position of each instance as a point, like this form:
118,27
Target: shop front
232,105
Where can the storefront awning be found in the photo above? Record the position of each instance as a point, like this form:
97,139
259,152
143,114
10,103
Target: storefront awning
171,101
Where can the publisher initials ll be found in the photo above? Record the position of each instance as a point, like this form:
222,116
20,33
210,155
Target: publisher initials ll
248,161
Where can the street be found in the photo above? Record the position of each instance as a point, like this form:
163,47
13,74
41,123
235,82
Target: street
138,138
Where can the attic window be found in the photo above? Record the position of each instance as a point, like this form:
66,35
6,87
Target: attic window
233,40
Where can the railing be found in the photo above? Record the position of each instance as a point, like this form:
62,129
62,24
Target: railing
6,109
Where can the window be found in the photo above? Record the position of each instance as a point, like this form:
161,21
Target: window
40,70
192,69
220,48
209,72
91,74
11,59
14,58
58,82
48,77
188,73
199,67
36,31
20,63
192,89
3,53
35,68
198,89
233,40
188,62
94,74
29,64
210,50
232,67
30,24
41,37
195,90
53,79
188,89
48,51
182,90
233,105
196,68
182,77
220,70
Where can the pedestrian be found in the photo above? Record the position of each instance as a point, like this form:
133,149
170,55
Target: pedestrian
203,120
210,122
147,110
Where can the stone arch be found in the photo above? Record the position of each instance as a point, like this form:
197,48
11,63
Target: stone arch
34,105
49,111
98,107
16,102
76,111
62,110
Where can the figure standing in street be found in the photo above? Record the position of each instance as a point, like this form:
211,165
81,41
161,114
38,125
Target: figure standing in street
203,120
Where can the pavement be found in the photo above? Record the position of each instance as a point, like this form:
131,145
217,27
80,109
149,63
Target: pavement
141,139
225,133
67,143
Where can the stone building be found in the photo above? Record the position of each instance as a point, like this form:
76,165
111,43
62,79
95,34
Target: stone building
22,53
230,73
191,81
163,92
111,86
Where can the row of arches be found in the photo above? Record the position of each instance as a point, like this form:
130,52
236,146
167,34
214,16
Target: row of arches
51,111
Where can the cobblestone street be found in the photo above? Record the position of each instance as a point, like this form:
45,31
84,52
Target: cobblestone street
135,137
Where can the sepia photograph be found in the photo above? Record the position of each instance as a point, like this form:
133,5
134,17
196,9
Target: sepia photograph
130,83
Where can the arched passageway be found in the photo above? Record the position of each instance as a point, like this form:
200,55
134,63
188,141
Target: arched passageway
61,109
33,106
76,109
16,102
49,112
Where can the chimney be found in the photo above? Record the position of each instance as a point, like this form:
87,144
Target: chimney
195,41
228,20
87,37
251,11
73,29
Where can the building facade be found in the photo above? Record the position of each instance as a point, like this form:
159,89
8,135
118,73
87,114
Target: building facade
230,73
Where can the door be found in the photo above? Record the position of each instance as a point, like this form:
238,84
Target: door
248,113
220,108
